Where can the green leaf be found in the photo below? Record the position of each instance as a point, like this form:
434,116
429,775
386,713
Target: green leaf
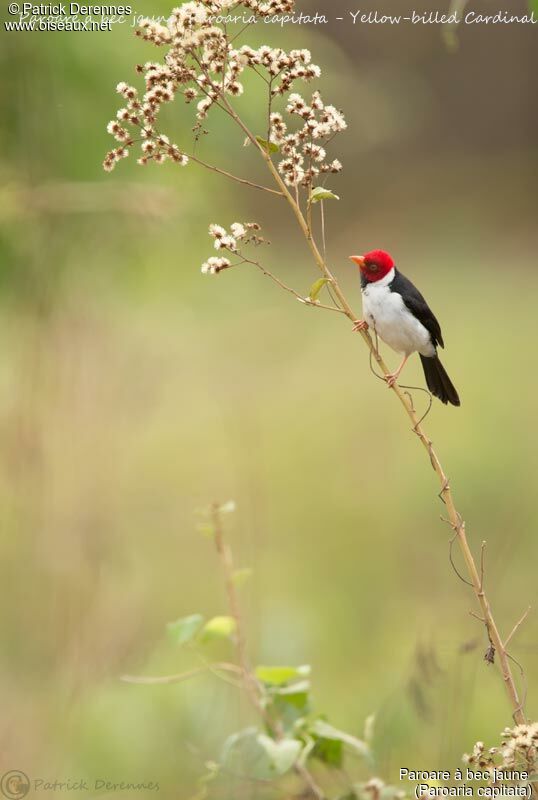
253,753
203,782
330,751
218,628
241,576
533,6
290,703
308,746
369,726
302,687
320,193
277,676
270,147
231,742
281,755
316,288
185,629
242,754
324,732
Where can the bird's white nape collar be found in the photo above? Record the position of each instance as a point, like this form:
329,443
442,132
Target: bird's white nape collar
389,277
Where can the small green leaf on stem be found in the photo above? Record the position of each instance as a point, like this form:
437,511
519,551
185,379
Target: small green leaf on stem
212,773
316,288
218,628
321,193
269,147
290,704
329,751
282,755
322,731
369,725
241,576
277,676
289,691
251,752
244,740
185,629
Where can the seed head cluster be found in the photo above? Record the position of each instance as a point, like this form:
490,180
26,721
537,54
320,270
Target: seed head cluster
204,65
377,789
232,241
304,149
518,750
136,121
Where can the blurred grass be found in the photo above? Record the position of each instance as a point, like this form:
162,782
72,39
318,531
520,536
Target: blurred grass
133,391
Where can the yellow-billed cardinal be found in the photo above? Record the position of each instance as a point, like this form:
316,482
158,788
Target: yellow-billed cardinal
401,317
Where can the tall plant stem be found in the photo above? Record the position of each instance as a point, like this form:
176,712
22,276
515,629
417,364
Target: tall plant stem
226,560
250,681
455,518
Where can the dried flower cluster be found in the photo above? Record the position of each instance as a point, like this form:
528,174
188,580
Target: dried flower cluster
518,750
280,68
304,149
377,789
214,265
239,235
202,64
142,116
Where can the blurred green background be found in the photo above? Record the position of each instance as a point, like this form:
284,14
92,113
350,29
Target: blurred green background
134,390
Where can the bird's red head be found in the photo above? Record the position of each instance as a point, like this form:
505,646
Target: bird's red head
374,265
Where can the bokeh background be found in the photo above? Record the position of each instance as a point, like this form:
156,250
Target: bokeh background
134,391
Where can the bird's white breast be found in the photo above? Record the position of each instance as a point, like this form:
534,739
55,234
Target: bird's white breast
387,314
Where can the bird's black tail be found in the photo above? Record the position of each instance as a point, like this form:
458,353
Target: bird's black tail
438,381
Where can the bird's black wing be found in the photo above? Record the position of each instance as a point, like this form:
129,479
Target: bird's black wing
417,306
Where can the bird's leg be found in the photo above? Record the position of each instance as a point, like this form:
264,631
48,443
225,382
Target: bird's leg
392,378
360,325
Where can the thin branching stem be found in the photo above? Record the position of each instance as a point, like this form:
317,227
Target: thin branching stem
182,676
232,177
225,556
516,626
305,300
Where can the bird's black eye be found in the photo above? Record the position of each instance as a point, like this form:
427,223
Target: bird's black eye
373,267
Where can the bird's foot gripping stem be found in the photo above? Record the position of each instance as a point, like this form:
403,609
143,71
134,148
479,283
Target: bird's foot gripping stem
360,325
393,376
